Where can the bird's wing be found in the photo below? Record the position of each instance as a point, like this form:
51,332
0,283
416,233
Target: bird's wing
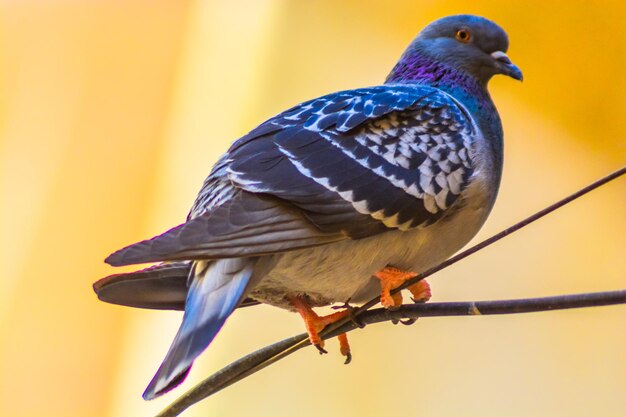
344,166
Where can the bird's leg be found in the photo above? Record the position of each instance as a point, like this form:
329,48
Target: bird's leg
315,324
391,278
344,347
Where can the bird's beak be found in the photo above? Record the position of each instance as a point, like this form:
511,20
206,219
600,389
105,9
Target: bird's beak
506,66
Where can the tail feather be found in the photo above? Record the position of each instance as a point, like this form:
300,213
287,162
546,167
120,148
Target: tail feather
161,287
217,288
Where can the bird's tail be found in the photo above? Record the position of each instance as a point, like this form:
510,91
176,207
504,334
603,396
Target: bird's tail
216,289
162,287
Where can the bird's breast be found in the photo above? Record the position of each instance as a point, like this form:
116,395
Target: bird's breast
342,271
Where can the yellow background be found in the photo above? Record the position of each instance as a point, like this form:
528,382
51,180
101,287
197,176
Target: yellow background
112,112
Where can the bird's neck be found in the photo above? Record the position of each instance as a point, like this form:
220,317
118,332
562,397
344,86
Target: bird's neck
419,68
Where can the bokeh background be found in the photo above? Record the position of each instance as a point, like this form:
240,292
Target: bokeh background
112,113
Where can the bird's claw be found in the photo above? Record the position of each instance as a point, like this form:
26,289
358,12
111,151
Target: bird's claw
345,305
315,324
421,291
344,347
350,308
392,278
320,349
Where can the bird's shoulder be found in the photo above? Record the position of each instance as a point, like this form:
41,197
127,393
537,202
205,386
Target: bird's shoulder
346,110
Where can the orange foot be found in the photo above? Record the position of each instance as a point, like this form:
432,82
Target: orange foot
391,278
314,324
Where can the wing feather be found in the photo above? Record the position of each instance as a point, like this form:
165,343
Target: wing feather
345,166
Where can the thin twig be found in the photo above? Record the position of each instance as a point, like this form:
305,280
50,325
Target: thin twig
279,350
260,359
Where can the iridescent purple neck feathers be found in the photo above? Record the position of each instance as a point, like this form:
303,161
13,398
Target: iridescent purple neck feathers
418,68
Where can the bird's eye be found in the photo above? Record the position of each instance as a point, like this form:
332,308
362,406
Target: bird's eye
463,35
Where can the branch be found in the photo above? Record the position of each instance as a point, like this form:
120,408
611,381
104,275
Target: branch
270,354
262,358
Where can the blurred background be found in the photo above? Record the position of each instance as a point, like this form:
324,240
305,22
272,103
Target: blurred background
112,113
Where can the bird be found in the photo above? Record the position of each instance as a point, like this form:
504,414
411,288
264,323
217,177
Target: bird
338,199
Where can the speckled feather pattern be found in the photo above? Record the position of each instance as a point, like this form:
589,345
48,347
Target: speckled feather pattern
396,153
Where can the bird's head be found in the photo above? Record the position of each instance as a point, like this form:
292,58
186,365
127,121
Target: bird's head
471,44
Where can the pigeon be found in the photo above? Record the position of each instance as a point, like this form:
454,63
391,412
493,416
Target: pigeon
338,199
